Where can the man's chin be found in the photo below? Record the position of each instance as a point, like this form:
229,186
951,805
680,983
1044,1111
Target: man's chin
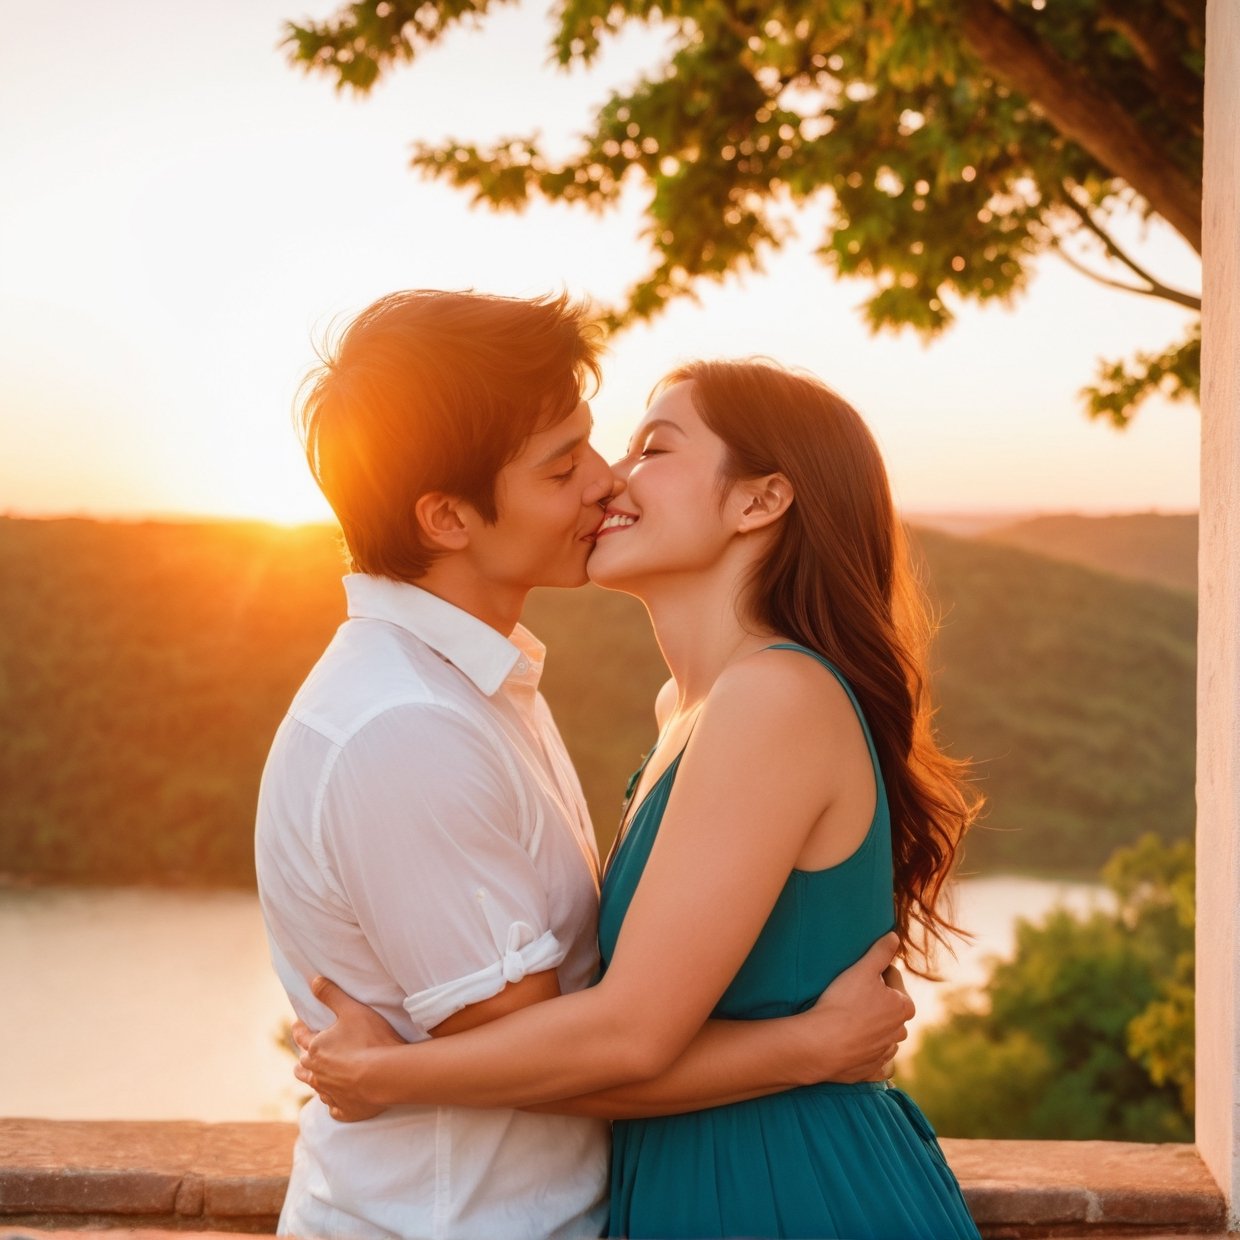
568,579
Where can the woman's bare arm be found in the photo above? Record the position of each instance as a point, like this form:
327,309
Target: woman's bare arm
851,1034
727,845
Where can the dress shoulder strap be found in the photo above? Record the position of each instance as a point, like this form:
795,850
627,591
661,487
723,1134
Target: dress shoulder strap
852,697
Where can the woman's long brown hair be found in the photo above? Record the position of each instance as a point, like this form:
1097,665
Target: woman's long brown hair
838,580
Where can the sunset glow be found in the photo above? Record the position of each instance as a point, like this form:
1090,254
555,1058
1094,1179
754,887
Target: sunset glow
183,215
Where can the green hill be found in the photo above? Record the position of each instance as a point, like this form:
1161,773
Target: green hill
1074,691
1146,546
144,668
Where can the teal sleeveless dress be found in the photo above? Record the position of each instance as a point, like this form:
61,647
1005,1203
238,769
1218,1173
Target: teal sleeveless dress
857,1161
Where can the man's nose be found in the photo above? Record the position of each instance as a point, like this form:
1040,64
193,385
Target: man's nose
606,486
617,484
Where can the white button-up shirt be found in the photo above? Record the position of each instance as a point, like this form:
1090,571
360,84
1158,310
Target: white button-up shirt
423,840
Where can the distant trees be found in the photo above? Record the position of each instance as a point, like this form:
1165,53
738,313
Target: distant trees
956,140
144,668
1087,1033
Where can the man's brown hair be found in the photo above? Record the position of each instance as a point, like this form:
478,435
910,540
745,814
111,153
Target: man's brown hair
435,391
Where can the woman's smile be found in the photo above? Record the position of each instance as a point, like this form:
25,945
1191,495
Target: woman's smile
615,519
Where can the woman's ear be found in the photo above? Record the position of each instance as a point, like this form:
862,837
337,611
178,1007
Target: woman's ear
442,521
764,500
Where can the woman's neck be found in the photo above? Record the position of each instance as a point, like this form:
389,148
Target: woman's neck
700,627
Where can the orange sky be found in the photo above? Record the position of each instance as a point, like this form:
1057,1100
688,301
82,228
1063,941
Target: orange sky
180,212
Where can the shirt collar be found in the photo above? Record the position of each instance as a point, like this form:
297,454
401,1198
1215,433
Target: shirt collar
486,656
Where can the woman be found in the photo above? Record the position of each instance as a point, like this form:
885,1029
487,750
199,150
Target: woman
794,787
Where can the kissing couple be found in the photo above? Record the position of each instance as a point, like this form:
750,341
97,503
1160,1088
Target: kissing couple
695,1040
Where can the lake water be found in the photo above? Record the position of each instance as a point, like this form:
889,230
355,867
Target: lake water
140,1004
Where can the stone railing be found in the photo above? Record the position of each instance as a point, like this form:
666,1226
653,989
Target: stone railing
189,1177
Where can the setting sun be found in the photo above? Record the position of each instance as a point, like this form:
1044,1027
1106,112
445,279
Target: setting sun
153,343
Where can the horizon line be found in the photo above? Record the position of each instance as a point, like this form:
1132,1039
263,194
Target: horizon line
952,513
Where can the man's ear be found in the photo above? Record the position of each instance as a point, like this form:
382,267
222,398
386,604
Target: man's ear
442,520
764,500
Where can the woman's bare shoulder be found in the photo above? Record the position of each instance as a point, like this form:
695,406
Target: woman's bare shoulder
788,683
783,712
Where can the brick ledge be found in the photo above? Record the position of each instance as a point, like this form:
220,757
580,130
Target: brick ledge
152,1178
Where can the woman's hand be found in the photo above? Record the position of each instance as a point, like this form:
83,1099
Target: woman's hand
862,1017
332,1061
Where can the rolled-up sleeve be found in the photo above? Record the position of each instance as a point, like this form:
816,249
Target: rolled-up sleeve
423,827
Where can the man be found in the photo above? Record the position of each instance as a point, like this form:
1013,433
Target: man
422,838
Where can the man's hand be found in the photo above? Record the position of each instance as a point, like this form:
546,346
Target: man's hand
337,1051
860,1020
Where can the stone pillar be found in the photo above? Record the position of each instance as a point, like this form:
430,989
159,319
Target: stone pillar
1218,676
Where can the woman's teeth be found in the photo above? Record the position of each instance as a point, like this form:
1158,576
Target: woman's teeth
617,521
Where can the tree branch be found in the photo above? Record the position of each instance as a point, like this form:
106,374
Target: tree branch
1155,287
1112,247
1075,104
1154,290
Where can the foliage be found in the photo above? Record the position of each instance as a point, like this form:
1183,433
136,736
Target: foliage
1087,1032
1157,887
145,667
954,141
1121,386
